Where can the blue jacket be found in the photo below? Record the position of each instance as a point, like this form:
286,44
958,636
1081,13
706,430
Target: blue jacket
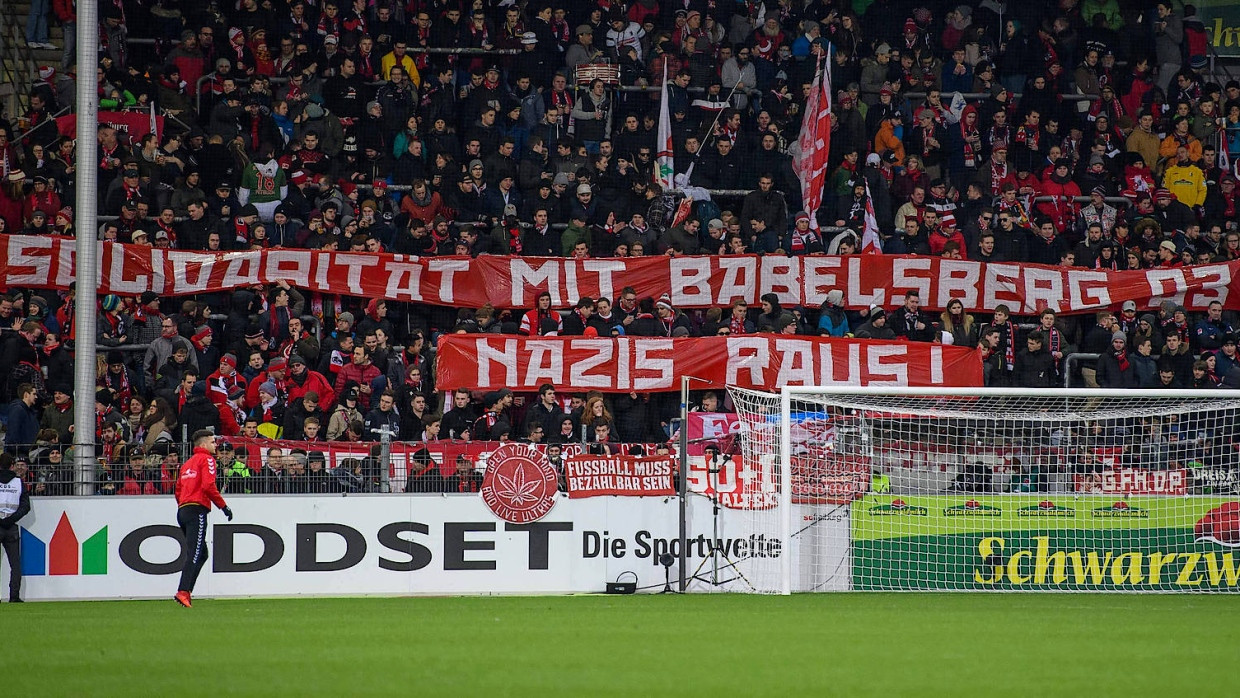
23,425
833,327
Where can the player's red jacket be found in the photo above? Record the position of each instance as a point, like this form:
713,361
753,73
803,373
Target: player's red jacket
196,481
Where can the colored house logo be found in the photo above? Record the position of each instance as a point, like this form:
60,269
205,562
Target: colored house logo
63,554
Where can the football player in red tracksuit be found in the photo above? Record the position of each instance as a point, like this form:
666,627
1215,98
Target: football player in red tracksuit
196,492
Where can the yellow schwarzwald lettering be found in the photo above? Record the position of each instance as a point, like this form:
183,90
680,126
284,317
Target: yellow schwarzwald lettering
1187,570
1080,568
1223,35
987,547
1229,568
1157,560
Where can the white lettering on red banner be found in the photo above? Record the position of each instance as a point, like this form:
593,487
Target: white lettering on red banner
626,476
692,282
488,362
1134,481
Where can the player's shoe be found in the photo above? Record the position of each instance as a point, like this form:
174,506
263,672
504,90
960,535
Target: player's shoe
182,598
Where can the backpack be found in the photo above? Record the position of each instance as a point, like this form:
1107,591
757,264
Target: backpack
1196,42
707,210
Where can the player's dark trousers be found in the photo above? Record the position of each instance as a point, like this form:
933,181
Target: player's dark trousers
192,518
11,538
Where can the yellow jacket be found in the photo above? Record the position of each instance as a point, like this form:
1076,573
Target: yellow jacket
1187,182
406,62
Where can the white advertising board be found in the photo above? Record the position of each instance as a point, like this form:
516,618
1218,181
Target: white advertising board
111,548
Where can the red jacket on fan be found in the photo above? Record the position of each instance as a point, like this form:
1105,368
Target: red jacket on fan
196,481
313,381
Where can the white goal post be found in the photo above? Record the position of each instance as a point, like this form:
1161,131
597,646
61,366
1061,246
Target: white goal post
994,489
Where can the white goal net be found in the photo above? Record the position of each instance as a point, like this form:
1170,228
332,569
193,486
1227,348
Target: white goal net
995,490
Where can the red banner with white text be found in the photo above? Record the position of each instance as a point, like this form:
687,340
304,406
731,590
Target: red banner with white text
131,125
1134,481
691,282
638,364
624,476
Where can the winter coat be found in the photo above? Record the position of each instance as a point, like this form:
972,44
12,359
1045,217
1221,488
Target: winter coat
1034,369
1110,375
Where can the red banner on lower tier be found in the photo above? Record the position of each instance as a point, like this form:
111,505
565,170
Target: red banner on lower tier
628,364
132,125
626,476
1134,481
691,282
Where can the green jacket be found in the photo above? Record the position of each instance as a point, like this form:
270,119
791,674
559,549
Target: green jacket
236,477
572,236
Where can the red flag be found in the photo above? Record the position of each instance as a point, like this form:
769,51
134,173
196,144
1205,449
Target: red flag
815,142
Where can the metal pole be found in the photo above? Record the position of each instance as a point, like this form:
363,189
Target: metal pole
684,479
385,459
86,270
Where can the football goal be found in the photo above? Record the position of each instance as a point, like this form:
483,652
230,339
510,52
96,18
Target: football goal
878,488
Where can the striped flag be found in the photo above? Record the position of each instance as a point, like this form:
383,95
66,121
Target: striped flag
815,142
1224,157
664,165
870,241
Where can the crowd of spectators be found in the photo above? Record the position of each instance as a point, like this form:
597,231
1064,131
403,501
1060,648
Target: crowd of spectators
329,125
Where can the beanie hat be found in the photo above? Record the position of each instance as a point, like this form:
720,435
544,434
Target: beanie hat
346,316
230,360
236,393
1120,336
277,364
201,334
665,301
111,302
268,387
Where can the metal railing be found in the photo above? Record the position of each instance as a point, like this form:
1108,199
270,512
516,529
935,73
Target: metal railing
18,138
1067,97
1070,361
15,56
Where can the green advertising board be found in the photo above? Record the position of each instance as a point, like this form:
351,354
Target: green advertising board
1045,543
1222,20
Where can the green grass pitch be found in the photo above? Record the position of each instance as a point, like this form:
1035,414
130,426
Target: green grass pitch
723,645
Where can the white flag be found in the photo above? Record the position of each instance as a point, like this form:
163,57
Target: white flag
664,164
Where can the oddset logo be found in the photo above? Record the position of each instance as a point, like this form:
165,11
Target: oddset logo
519,485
